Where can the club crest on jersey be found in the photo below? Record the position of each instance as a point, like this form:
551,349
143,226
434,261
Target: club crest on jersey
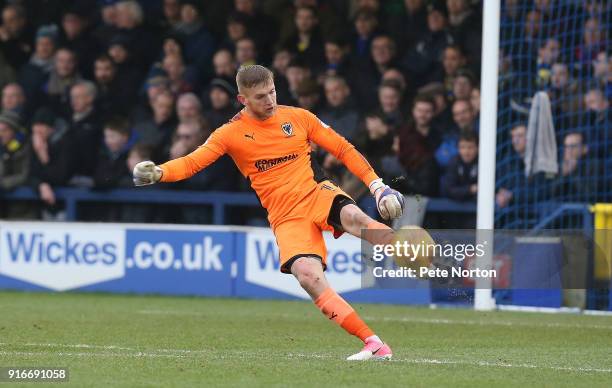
287,129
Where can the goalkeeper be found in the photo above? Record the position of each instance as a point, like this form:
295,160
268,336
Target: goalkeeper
270,144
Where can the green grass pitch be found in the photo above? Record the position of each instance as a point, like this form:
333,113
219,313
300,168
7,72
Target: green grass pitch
132,341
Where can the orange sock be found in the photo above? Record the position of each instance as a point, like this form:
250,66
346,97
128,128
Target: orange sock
378,233
338,310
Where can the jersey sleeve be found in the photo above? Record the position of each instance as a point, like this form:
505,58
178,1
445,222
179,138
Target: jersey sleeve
185,167
323,135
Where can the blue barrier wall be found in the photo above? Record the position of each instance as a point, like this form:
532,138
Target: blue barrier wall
172,260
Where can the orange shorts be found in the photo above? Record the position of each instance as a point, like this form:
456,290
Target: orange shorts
302,234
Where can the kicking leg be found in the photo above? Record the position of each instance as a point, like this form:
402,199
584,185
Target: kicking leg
309,272
353,220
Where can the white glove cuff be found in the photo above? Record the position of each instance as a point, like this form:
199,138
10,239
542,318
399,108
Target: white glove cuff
375,185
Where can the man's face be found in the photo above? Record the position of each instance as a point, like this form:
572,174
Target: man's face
333,53
218,98
64,63
435,21
104,71
12,97
389,99
549,53
224,64
452,60
336,92
475,100
295,76
382,51
260,100
163,105
456,7
236,30
190,135
44,48
245,51
468,150
422,113
173,66
519,139
12,21
365,26
41,131
187,110
73,25
172,9
80,99
413,6
114,140
462,88
573,147
244,6
305,20
462,114
281,61
560,76
6,134
595,101
189,14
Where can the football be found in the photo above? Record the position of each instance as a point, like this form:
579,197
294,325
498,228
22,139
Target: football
414,247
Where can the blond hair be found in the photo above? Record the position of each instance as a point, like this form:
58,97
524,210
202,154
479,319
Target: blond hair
253,75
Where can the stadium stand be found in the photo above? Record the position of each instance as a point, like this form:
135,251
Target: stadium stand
90,83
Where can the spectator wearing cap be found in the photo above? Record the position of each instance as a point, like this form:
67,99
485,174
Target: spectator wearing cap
366,77
199,43
33,74
64,75
14,100
466,27
112,98
261,27
76,34
53,161
85,126
422,62
306,41
14,152
153,87
15,35
222,95
339,112
156,129
309,95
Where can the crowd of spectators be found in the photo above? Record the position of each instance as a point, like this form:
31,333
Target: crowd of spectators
90,88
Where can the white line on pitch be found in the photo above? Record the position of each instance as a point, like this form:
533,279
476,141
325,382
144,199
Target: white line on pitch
412,320
182,353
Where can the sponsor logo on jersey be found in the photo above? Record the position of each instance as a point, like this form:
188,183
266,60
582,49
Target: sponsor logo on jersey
266,164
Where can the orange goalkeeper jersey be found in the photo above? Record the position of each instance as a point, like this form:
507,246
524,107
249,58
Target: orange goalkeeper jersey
275,155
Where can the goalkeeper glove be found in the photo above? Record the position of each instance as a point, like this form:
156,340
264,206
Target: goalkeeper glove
389,202
146,173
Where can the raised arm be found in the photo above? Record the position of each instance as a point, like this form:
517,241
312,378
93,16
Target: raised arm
389,202
147,173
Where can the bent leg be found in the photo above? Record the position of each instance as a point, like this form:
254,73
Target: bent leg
353,220
309,272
